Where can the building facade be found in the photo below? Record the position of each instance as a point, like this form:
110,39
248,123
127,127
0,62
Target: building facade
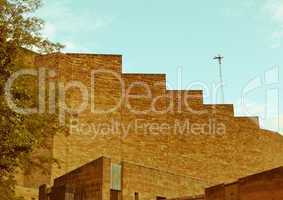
172,131
261,186
103,180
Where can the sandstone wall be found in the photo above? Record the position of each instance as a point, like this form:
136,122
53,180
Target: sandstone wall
150,183
190,154
202,153
267,185
198,197
91,181
262,186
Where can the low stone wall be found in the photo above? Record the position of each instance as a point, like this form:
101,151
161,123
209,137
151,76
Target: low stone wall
90,181
263,186
198,197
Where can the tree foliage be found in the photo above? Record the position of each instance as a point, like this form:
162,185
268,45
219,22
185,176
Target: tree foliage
20,134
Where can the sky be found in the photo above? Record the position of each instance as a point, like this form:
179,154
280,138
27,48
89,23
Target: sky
180,38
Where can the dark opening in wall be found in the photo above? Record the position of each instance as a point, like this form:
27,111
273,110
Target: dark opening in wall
136,196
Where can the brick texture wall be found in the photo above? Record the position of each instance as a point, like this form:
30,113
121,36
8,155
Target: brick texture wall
91,181
245,148
262,186
198,197
151,183
267,185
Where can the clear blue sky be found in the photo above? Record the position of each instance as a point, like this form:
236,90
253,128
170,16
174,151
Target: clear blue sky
161,35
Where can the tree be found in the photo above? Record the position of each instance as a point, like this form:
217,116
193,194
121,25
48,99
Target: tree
20,134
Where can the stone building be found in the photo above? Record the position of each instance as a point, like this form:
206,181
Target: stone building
171,131
261,186
101,179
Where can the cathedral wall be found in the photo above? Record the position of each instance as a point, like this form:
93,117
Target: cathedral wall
151,183
202,150
214,139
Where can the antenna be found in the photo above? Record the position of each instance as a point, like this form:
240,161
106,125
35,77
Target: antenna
220,58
